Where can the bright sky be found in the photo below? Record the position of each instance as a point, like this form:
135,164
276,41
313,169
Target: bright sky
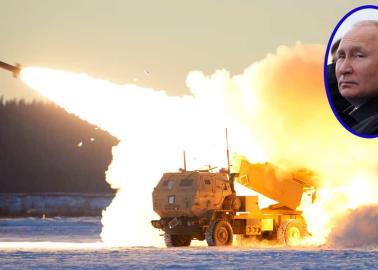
155,43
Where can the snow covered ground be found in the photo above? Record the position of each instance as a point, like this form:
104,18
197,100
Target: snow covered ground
74,243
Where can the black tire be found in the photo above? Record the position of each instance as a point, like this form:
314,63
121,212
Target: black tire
177,240
220,233
291,232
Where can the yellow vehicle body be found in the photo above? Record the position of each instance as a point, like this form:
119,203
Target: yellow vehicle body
282,186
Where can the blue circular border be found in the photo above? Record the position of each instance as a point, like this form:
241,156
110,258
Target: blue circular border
325,70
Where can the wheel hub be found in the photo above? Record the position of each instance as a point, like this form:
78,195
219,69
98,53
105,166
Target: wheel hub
222,235
294,235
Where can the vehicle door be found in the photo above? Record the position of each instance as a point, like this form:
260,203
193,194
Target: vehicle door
207,190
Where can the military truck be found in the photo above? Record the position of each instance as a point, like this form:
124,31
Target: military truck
203,205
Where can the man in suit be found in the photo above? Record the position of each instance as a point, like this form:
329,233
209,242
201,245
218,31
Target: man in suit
357,76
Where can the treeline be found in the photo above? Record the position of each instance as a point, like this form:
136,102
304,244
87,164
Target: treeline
43,148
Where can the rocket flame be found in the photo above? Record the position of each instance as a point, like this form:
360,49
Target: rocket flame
276,111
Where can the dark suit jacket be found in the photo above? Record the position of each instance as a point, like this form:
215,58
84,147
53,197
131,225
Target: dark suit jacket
366,118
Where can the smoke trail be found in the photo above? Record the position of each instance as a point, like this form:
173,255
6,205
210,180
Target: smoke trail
280,114
359,228
153,130
276,111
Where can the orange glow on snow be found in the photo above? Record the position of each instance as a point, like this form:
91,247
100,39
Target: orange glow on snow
276,111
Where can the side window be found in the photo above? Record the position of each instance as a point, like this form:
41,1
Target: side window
168,184
207,184
186,182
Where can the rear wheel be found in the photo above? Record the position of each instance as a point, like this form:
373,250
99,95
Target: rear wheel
220,233
291,232
177,240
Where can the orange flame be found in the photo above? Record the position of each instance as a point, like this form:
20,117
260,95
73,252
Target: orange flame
276,111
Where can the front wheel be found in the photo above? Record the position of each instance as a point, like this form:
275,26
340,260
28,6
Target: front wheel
177,240
220,233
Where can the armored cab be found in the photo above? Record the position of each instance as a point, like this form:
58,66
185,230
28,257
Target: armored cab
190,194
184,201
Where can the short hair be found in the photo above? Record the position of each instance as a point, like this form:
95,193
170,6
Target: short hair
335,46
366,23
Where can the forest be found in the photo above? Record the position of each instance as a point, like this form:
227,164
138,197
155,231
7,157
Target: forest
43,148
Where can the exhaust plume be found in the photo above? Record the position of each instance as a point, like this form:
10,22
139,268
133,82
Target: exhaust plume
276,111
359,228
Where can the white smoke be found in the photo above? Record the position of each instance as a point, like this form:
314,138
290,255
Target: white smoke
359,228
276,111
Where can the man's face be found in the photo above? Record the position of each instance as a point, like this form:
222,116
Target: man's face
357,64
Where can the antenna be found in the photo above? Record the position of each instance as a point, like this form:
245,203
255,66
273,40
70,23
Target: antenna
228,154
184,161
230,175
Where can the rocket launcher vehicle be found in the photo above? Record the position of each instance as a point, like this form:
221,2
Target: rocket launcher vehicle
204,205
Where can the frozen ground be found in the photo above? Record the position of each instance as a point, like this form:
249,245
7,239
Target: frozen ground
74,243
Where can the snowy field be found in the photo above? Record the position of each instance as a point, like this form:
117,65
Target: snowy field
74,243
